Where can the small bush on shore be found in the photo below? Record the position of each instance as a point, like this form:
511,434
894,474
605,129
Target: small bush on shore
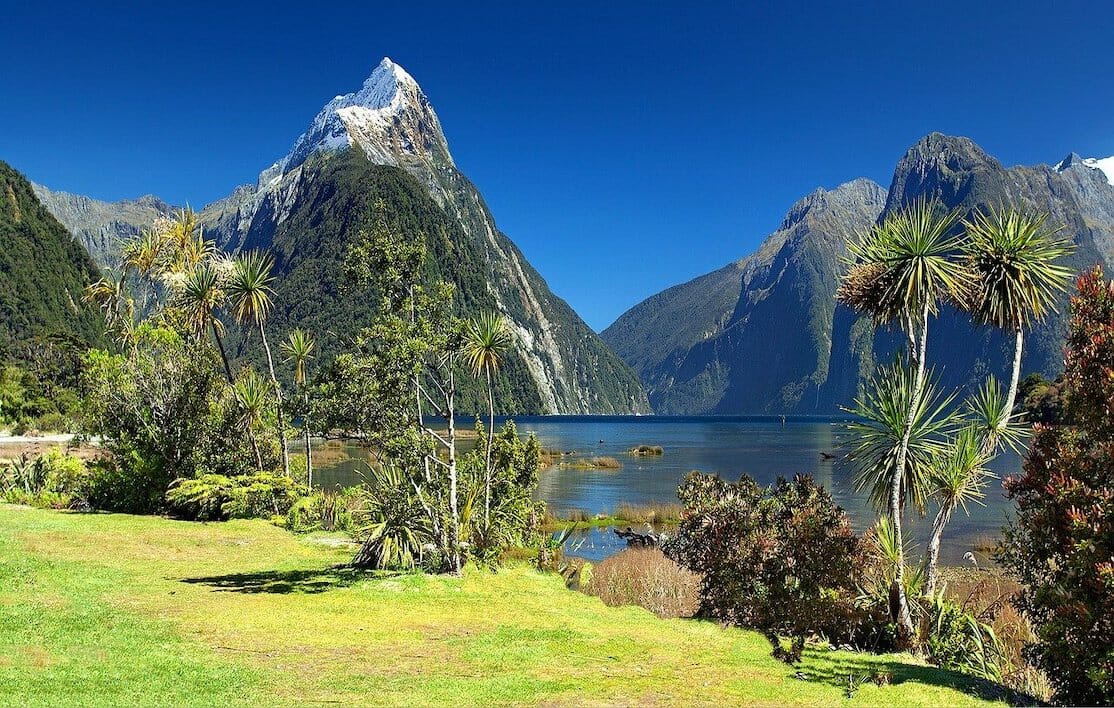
956,639
1060,545
783,560
214,497
596,463
51,480
645,577
654,514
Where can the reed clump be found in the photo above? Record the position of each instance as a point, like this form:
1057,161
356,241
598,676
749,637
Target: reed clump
645,577
553,519
654,513
647,451
595,463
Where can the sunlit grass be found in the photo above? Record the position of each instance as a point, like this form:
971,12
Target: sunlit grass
112,609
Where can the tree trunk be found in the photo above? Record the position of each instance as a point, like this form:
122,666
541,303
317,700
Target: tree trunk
1019,340
220,348
490,439
932,574
278,401
255,449
305,429
457,566
902,617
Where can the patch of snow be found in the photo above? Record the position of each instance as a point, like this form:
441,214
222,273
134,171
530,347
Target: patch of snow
372,118
1105,164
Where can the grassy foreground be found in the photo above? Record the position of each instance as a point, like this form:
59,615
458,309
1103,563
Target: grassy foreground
112,609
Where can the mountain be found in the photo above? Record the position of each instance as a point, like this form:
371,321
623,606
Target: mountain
763,335
384,143
43,271
101,226
757,329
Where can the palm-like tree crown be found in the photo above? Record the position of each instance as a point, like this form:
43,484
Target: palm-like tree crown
181,228
1012,254
960,475
905,263
251,395
486,342
881,410
199,295
249,287
194,250
144,255
989,415
111,296
298,348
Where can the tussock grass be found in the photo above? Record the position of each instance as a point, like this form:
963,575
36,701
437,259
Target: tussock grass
110,609
657,513
554,519
645,577
594,463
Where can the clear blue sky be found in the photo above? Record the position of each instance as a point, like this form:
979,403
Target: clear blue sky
625,146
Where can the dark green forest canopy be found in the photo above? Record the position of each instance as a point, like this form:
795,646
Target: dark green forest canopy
335,199
43,271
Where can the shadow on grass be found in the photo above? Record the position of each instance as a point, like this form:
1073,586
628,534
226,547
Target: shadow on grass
289,581
842,672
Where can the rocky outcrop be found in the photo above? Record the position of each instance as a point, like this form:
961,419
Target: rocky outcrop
102,226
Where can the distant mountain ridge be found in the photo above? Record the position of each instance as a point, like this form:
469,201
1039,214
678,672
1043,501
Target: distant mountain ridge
332,175
809,356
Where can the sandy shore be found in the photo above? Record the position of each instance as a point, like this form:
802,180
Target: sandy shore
13,446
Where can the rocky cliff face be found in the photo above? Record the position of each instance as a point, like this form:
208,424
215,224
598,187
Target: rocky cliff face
759,330
390,123
101,226
742,360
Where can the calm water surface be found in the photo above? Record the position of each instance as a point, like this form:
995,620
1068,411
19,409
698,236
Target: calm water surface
762,447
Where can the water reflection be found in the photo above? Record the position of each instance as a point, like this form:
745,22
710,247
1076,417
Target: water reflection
763,447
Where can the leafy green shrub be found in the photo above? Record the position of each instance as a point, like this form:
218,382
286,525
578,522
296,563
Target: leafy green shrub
65,474
215,497
304,514
54,479
396,531
327,510
514,517
647,451
53,422
200,499
164,412
1060,544
262,495
130,485
782,560
955,639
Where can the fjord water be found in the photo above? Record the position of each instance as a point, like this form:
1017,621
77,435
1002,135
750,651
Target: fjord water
764,447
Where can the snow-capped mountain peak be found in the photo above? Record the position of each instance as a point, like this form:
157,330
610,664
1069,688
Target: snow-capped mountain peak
389,118
1102,164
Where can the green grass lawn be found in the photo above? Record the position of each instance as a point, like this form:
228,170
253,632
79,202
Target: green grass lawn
114,609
